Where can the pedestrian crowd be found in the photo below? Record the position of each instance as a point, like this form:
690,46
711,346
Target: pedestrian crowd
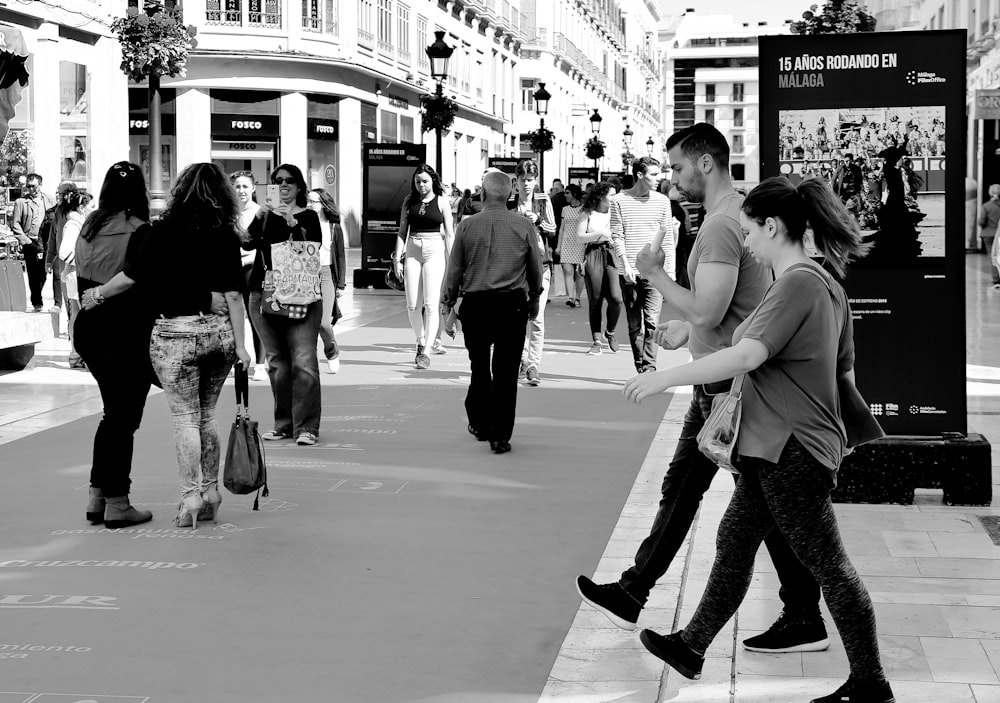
166,302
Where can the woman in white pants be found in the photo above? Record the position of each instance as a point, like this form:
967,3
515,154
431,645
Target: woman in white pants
426,233
332,266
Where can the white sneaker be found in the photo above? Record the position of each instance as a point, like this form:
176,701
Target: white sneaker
333,364
438,348
260,373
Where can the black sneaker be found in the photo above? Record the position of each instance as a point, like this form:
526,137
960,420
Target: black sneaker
860,692
674,651
790,634
612,600
612,342
422,361
522,372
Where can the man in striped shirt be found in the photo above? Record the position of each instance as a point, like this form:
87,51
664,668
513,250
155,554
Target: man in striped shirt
637,216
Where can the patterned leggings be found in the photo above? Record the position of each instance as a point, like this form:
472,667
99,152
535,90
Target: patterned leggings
792,496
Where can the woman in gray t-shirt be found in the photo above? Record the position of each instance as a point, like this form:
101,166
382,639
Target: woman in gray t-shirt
794,348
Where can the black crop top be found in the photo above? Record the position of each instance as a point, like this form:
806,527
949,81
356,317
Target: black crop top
430,221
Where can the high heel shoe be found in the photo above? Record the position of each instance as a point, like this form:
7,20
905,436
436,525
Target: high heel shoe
188,509
212,499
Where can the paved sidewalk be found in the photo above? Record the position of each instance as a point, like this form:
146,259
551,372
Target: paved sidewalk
932,571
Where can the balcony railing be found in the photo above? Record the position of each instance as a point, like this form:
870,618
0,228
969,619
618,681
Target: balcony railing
404,57
239,14
366,39
386,49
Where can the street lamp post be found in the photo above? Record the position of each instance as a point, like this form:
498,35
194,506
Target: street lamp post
627,140
649,145
595,127
439,53
542,98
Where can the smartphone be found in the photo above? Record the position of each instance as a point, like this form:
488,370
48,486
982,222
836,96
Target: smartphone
273,195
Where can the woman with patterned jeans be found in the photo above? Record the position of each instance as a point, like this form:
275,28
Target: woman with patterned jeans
199,331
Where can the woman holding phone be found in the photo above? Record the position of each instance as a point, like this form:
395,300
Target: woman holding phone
289,344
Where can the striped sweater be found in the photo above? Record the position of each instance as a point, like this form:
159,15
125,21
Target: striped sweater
634,223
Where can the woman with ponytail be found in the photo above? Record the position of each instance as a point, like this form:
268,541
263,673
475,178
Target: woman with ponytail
797,351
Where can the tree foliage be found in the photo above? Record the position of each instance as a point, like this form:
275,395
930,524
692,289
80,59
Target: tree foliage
156,43
438,112
541,140
836,17
595,149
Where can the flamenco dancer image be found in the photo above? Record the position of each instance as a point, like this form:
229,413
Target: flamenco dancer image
896,237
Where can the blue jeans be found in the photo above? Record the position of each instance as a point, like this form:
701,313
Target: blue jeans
688,477
642,310
192,356
292,366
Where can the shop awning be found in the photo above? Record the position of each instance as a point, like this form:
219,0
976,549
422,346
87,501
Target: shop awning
13,74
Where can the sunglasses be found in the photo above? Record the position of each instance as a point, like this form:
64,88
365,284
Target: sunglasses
284,181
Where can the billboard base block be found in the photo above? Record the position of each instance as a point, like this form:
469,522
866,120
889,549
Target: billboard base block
370,278
889,470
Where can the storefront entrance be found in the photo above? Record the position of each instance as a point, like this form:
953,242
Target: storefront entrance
256,157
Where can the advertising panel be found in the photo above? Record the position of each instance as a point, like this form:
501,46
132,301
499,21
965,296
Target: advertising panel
504,163
880,117
582,175
388,171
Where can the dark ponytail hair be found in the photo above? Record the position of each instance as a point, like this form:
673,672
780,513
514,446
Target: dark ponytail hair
812,203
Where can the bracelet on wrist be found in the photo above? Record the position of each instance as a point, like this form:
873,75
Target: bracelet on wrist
95,293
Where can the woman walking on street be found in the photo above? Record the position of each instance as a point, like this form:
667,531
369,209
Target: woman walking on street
333,267
198,332
289,344
75,206
600,266
112,337
797,351
244,184
569,248
426,233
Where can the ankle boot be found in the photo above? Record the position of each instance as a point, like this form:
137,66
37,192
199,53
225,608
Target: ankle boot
95,507
120,513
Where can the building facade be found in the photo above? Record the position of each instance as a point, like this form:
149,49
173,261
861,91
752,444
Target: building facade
70,121
275,81
981,19
592,55
711,65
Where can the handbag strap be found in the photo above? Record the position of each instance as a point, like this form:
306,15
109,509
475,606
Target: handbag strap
242,390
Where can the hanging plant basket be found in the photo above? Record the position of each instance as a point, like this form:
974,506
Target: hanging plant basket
541,140
439,113
627,158
595,149
156,43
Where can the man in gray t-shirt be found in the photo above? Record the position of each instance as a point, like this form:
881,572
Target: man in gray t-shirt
727,283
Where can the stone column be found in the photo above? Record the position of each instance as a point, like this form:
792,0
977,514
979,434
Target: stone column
294,136
350,177
194,126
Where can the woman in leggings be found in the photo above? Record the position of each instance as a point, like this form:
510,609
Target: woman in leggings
426,232
797,351
600,268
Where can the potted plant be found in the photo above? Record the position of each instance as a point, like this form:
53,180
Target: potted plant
154,42
541,140
595,149
438,112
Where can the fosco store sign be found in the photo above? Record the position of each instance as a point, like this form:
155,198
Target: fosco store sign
244,127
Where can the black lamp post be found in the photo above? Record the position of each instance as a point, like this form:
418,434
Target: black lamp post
627,139
542,98
595,127
649,145
439,53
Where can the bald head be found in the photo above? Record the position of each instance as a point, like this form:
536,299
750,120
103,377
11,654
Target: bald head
496,186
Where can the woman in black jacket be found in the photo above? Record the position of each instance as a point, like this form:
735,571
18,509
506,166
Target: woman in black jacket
290,344
111,334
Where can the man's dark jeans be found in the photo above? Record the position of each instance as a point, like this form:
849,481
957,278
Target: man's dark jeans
642,309
497,321
688,477
34,267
